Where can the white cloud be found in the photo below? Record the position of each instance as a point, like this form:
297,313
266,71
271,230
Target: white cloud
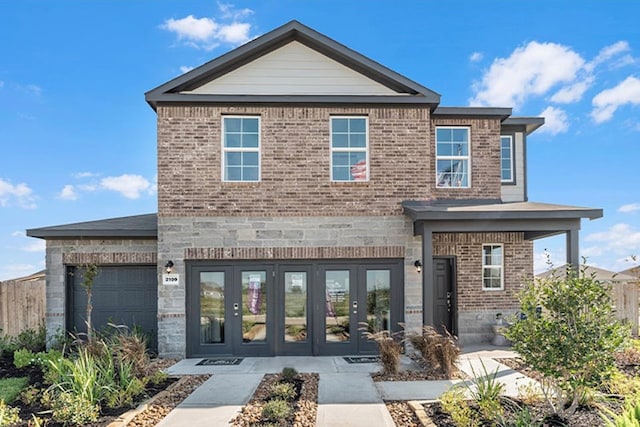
607,102
631,207
18,233
130,186
81,175
68,193
207,33
606,53
33,89
621,239
14,271
573,92
21,194
476,57
185,69
555,120
547,259
530,70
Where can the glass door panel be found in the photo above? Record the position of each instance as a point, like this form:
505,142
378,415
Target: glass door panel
378,300
254,306
337,306
212,307
295,306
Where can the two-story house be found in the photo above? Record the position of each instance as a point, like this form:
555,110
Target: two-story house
304,192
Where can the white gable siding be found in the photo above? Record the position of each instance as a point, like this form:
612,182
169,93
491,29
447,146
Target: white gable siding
294,69
510,192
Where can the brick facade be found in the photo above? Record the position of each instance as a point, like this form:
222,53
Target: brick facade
295,162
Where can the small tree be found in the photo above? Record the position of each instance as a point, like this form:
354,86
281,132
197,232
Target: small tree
90,273
569,334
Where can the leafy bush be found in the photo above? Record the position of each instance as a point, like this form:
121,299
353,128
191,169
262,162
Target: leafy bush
30,339
569,334
454,403
74,409
23,358
125,388
623,385
283,391
437,350
276,410
10,388
8,415
289,374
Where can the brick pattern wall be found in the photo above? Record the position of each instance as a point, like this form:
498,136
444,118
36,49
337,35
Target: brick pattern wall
334,252
295,162
485,159
467,247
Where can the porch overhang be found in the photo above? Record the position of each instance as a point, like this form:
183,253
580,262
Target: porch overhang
534,220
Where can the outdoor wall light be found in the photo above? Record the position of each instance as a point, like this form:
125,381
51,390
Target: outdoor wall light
169,266
418,265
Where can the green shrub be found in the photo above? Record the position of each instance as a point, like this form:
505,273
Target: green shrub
276,410
454,403
289,374
10,388
31,339
283,391
569,333
70,408
125,387
23,357
487,394
157,377
8,415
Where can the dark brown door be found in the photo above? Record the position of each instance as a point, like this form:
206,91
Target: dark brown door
444,297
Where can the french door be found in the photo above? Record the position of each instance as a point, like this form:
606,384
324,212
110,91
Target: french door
291,308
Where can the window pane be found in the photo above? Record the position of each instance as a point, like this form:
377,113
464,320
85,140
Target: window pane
358,140
443,134
295,306
232,124
460,134
250,140
340,140
254,306
452,173
250,159
378,300
232,140
357,125
444,149
341,159
250,173
211,307
233,158
340,125
233,174
250,125
341,173
337,327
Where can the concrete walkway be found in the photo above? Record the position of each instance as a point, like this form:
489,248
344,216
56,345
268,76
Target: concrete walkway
347,396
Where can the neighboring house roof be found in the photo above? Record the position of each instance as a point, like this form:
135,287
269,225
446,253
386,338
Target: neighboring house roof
633,271
129,226
40,275
184,88
599,274
535,220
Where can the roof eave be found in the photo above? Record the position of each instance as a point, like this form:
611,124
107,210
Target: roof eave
499,112
531,124
44,233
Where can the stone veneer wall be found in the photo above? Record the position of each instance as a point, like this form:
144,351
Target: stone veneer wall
270,238
61,253
477,308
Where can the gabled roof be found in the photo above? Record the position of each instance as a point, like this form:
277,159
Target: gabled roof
129,226
633,271
173,90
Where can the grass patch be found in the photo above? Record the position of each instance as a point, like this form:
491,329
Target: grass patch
10,388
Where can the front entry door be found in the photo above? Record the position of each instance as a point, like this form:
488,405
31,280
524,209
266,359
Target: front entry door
230,307
443,295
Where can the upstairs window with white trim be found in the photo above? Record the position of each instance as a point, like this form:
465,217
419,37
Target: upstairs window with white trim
349,149
506,159
453,160
492,267
240,148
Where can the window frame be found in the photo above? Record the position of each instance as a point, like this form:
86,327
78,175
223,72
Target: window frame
333,149
225,150
511,180
493,266
452,157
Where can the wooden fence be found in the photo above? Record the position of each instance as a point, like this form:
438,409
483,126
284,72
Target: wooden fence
625,297
22,304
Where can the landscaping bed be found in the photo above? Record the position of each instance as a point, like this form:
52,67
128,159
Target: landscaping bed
285,399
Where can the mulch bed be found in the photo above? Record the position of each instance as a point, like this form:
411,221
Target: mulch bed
306,403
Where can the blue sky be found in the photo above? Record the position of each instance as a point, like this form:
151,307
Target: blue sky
78,139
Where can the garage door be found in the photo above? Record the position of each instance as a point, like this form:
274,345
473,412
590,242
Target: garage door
122,295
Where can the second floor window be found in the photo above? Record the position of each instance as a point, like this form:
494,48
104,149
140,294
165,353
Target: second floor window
506,158
240,148
452,157
349,144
